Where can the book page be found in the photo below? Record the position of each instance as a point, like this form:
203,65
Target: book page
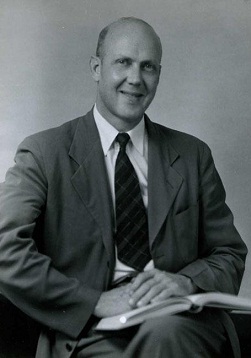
193,303
139,315
220,300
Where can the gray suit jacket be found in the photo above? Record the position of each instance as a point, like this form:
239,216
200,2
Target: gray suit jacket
56,222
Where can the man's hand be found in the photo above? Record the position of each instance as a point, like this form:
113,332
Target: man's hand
147,287
156,285
114,302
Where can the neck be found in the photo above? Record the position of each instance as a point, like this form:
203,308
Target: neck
121,124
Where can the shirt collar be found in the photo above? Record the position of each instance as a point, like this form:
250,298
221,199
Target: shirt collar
108,133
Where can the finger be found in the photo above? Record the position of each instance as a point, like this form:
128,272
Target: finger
155,291
142,290
140,279
163,295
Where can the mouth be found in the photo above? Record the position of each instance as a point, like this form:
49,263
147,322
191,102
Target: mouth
132,95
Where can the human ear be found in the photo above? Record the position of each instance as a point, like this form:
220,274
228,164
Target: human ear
95,64
160,68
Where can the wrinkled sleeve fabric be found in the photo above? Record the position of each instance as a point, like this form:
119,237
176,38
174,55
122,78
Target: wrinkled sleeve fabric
28,278
221,260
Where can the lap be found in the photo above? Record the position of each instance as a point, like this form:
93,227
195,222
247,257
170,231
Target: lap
189,335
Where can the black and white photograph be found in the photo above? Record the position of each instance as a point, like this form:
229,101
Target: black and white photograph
125,179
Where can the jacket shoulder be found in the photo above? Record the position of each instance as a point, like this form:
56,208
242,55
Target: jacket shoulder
182,142
52,138
57,139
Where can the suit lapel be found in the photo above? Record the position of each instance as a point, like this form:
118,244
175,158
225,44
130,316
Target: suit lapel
91,182
163,181
90,179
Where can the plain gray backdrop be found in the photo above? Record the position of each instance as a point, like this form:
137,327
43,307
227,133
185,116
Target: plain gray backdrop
205,86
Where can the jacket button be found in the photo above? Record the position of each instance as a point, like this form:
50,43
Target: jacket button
68,347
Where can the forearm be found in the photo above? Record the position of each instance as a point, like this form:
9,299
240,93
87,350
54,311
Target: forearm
216,273
221,252
28,278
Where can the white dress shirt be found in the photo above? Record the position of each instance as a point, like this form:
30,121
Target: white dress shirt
137,151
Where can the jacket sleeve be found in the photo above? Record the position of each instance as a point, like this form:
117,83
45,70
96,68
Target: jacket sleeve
28,278
221,259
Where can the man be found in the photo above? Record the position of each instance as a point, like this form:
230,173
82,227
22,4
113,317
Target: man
60,243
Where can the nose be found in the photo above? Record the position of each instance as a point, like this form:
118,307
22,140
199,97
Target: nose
134,75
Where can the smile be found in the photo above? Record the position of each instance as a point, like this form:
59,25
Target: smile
131,95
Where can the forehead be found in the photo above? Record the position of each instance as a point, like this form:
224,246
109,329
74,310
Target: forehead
133,40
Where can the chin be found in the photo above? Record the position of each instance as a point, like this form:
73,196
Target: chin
133,118
132,114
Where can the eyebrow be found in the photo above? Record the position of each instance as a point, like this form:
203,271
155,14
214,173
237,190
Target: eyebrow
119,56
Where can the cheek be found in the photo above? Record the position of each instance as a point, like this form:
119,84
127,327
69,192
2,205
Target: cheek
110,86
117,76
152,90
152,81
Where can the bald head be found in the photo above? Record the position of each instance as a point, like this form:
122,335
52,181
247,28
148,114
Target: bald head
126,70
129,23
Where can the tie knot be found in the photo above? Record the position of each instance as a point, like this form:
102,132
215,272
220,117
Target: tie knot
122,139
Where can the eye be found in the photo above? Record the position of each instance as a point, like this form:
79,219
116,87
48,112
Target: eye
123,61
149,67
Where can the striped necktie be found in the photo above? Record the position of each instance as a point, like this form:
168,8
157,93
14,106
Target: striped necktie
131,218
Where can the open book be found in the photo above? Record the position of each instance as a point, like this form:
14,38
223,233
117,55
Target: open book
193,303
